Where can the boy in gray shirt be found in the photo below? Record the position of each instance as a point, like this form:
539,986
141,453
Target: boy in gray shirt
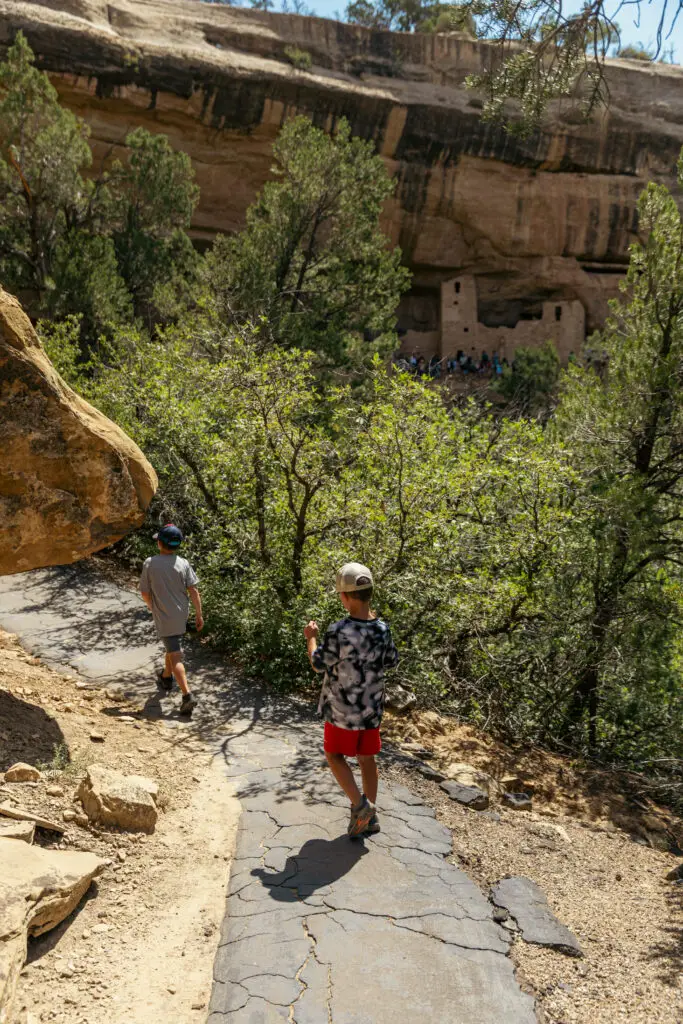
166,583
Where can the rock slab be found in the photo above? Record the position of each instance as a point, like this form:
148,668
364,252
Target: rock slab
127,801
527,903
71,481
469,796
38,889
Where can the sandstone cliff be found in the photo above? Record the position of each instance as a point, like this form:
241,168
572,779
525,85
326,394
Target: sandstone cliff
71,482
550,217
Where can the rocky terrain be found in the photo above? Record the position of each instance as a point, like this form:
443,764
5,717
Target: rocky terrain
71,481
140,944
551,216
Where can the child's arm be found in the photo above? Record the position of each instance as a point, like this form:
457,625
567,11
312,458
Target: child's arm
311,633
197,605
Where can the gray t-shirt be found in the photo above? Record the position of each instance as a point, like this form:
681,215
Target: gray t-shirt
166,578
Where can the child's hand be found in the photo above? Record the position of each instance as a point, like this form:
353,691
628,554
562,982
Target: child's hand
311,630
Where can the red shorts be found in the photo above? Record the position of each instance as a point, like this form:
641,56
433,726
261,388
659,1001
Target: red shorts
352,742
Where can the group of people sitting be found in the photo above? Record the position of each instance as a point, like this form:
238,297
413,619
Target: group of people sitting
490,366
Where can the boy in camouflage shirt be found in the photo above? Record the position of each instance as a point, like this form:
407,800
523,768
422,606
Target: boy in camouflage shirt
354,655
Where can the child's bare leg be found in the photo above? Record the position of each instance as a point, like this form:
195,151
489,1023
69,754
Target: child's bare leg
368,770
344,776
178,670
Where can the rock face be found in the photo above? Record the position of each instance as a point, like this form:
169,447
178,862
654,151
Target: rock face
71,482
543,219
127,801
38,889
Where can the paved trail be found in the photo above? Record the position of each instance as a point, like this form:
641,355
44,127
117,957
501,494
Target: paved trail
318,929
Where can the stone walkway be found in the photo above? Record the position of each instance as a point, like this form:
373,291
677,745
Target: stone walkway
318,929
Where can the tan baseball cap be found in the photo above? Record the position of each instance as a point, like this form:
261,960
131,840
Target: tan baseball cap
353,576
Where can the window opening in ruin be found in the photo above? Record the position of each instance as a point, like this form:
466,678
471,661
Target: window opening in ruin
457,287
558,312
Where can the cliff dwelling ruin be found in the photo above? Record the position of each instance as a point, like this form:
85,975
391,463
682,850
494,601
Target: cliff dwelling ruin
448,321
536,231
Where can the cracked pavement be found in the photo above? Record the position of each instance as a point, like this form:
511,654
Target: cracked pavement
318,929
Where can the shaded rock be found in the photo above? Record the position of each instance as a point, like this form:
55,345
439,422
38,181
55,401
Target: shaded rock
23,830
96,737
469,796
71,481
16,814
517,801
38,889
675,875
516,784
398,698
127,801
527,903
430,773
21,772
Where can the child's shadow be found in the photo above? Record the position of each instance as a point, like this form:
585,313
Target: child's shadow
318,863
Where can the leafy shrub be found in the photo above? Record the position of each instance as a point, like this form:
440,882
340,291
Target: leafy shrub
299,59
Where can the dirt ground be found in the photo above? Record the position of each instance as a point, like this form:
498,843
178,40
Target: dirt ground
592,852
140,948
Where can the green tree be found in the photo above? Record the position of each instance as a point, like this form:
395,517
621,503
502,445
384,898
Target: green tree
71,244
150,200
625,434
312,259
412,15
43,150
530,383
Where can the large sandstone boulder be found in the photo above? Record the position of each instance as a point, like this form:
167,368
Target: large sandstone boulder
38,889
127,801
71,482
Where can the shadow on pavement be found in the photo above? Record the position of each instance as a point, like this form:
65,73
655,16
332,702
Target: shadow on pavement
319,862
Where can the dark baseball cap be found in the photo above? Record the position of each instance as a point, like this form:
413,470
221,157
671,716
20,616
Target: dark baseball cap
170,536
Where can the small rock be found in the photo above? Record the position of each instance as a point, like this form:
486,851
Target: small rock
516,784
430,773
100,929
398,698
469,796
86,934
172,989
54,791
417,751
675,874
68,708
490,816
127,801
468,775
69,815
97,737
121,854
199,1005
21,772
517,801
115,695
499,915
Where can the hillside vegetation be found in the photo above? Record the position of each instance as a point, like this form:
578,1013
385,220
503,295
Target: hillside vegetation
531,567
